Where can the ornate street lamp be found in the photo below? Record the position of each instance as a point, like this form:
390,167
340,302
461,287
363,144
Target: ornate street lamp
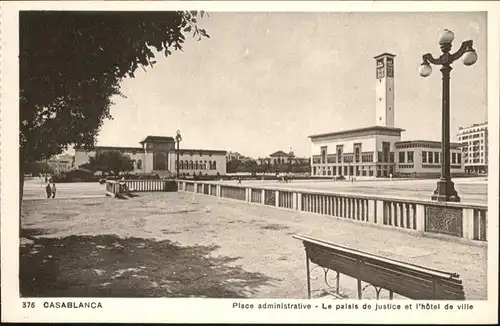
445,190
178,139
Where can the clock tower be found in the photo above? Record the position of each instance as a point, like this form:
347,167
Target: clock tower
384,89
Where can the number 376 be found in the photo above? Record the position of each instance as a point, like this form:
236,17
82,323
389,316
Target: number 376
28,304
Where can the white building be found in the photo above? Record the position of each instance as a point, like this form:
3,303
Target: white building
158,155
377,151
474,141
422,158
365,152
61,163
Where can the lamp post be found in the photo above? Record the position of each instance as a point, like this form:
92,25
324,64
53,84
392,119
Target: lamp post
178,139
445,190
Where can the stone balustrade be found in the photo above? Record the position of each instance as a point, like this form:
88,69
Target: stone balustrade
116,187
463,220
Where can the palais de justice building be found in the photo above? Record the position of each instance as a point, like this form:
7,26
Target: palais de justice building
158,155
378,151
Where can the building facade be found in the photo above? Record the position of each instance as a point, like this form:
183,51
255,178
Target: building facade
280,157
378,151
61,163
422,158
158,155
367,152
474,141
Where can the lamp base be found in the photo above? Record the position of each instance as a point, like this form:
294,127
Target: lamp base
445,191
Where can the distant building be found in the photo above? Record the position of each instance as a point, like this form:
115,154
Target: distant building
232,156
263,160
279,157
474,141
61,163
159,155
422,158
238,157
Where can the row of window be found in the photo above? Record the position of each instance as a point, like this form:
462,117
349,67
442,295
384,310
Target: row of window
345,171
408,155
201,165
434,166
349,158
434,157
471,136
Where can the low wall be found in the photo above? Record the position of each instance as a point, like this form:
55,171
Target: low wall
115,187
468,221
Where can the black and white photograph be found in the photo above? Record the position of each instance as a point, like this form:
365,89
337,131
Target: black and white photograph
298,164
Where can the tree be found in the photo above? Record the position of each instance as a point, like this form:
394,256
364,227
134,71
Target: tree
232,166
71,66
37,168
110,161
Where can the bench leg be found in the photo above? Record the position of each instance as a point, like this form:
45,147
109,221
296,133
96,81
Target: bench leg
337,283
308,276
360,291
391,295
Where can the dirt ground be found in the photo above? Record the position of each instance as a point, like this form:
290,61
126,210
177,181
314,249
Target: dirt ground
185,245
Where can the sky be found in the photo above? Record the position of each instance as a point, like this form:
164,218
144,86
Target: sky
264,82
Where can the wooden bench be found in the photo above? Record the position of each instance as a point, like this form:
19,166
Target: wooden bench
409,280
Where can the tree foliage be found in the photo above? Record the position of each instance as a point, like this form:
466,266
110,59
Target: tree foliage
110,161
36,168
71,66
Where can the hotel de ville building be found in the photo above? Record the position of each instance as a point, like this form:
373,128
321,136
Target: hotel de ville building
377,151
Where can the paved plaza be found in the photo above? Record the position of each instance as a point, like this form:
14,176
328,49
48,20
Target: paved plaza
184,244
35,189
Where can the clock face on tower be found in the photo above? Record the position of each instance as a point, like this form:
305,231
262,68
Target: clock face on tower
380,68
390,67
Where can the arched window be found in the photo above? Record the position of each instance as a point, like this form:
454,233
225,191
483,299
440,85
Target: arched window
205,167
139,164
190,165
181,165
214,165
357,154
196,165
210,164
339,156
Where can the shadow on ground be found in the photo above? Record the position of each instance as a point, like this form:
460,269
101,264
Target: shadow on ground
109,266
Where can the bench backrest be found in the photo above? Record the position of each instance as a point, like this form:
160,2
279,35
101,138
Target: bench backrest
409,280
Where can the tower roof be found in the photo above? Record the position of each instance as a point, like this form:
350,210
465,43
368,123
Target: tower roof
157,139
384,55
372,130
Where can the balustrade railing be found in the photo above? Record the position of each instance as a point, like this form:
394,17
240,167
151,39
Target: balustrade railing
149,185
256,196
112,188
399,214
116,187
285,199
270,197
213,190
233,192
454,219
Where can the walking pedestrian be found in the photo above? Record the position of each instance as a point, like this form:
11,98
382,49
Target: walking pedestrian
48,190
53,189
